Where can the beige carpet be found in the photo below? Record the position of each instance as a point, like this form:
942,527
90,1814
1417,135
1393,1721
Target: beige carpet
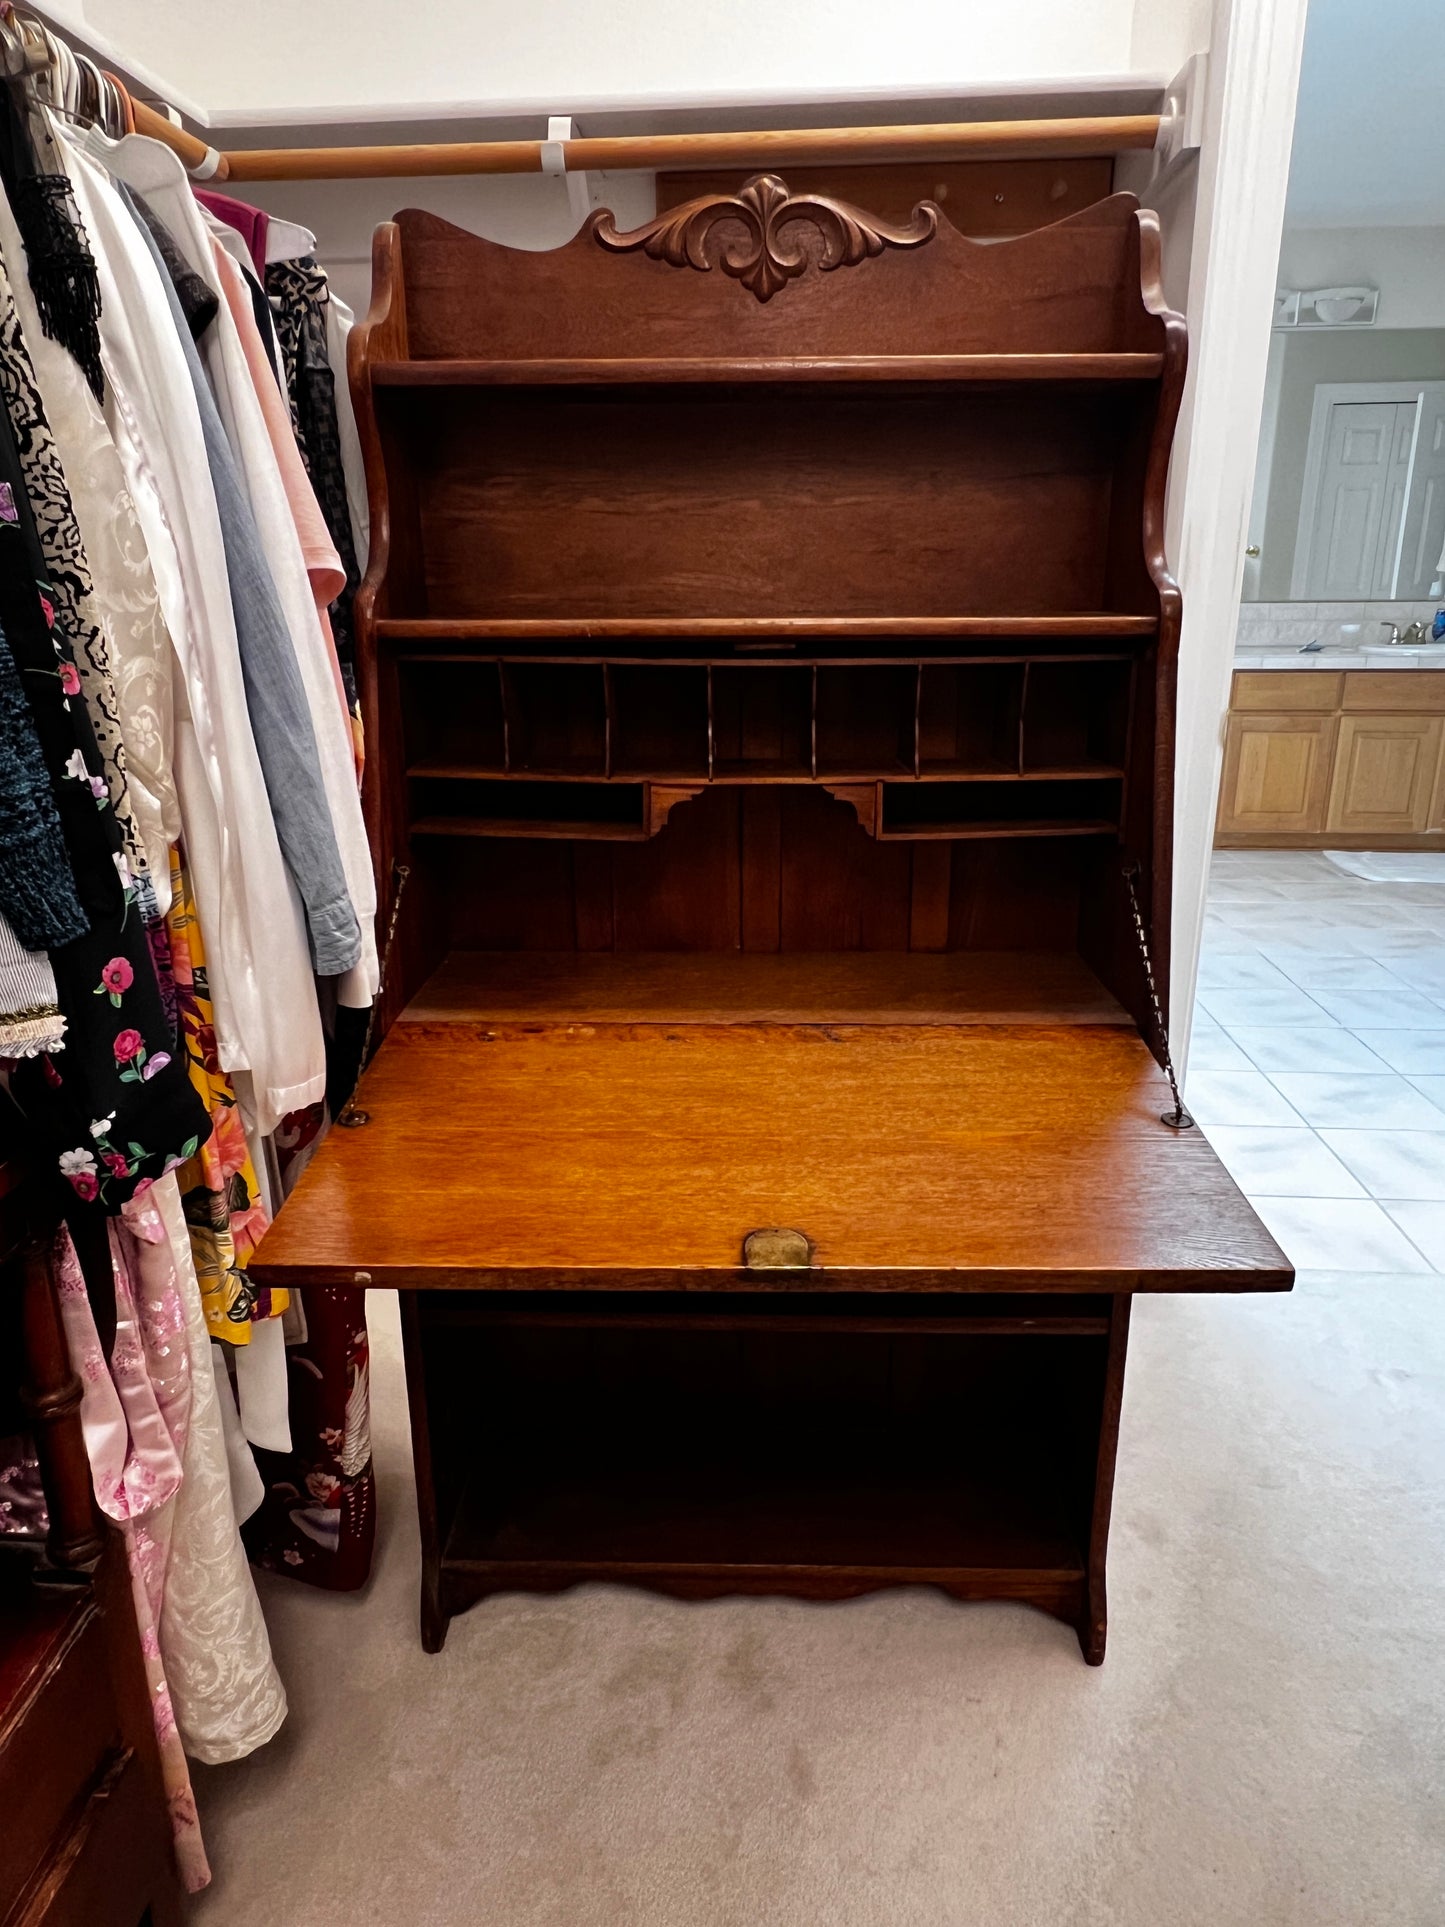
1264,1747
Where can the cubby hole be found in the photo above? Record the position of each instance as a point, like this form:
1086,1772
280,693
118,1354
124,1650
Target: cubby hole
762,720
999,809
452,715
865,719
557,717
447,807
659,719
968,718
1076,716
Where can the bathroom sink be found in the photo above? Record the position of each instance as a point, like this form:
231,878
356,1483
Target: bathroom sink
1428,655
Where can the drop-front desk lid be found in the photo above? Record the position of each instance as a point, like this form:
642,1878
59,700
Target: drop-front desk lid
945,1123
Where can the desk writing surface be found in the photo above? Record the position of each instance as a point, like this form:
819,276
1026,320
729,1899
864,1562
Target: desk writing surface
560,1152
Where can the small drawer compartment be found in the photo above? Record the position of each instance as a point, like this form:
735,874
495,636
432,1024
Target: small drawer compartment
556,717
659,719
454,807
866,719
919,810
762,720
453,717
1076,716
968,718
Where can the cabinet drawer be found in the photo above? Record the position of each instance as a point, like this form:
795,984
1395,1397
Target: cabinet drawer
56,1740
1290,690
1405,690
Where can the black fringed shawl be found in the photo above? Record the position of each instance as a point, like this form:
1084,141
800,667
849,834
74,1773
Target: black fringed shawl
58,261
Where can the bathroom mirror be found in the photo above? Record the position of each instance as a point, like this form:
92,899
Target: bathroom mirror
1349,498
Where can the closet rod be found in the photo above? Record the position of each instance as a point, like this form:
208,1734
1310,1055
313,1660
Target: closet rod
840,146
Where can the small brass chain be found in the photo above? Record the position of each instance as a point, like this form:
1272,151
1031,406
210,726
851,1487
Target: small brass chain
349,1117
1178,1119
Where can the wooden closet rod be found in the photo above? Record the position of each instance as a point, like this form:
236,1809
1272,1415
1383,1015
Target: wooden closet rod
840,146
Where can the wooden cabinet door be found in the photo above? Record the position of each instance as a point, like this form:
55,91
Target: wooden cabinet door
1384,775
1437,808
1276,774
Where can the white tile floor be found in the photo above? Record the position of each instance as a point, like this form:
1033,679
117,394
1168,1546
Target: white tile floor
1317,1066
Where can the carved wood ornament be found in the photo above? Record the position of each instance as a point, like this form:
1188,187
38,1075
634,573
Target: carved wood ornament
766,262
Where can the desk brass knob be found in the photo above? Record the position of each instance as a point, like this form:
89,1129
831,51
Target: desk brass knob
777,1250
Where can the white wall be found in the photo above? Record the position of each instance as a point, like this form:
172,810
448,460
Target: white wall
277,60
518,210
1407,265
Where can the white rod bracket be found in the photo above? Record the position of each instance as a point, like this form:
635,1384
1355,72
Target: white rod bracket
560,128
1181,118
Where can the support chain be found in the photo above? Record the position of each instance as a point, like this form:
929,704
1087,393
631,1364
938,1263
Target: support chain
1178,1119
350,1118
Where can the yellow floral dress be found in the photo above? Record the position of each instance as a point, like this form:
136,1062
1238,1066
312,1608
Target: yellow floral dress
219,1192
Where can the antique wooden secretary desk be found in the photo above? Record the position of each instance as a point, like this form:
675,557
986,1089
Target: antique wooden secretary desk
769,668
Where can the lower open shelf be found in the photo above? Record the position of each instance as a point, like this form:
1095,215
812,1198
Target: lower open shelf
776,1459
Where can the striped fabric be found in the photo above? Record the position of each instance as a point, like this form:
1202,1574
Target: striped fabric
30,1019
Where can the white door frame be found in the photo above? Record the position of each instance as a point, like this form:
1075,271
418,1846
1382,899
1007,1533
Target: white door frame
1328,394
1243,172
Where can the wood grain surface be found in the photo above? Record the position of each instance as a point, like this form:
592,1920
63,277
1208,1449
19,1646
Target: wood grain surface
842,987
627,1156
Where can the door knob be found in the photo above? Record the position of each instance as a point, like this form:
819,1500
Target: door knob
1253,549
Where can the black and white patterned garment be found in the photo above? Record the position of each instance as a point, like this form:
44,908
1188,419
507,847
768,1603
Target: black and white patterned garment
298,292
78,616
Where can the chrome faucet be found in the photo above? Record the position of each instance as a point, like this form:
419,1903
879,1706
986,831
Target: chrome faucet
1413,637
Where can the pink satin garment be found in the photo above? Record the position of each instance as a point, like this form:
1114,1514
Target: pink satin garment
134,1425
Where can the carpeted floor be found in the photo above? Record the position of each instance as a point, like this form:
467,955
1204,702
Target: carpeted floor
1264,1747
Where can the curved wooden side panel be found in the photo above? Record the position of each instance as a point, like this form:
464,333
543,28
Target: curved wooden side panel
393,573
1175,348
382,336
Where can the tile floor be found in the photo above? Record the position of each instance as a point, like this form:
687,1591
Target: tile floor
1317,1064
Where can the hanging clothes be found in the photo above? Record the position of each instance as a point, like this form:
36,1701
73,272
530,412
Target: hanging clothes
228,1695
318,1519
251,223
135,1415
299,293
275,693
268,1029
37,886
125,599
59,264
31,1021
76,612
220,1194
300,560
339,323
121,1111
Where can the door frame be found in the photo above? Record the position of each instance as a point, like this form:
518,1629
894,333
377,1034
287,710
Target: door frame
1328,394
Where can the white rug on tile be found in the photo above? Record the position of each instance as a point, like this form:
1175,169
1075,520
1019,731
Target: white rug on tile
1390,866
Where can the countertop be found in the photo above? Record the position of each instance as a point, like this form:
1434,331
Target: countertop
1332,659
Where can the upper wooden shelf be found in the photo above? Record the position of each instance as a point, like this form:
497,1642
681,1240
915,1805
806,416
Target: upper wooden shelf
487,628
583,371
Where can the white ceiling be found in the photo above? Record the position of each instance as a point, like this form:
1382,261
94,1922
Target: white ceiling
1371,116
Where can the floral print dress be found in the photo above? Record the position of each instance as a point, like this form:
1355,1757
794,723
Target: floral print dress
116,1104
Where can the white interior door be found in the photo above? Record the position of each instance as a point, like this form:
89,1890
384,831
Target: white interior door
1424,534
1364,475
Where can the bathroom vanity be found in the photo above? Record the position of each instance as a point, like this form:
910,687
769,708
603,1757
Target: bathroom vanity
1335,758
